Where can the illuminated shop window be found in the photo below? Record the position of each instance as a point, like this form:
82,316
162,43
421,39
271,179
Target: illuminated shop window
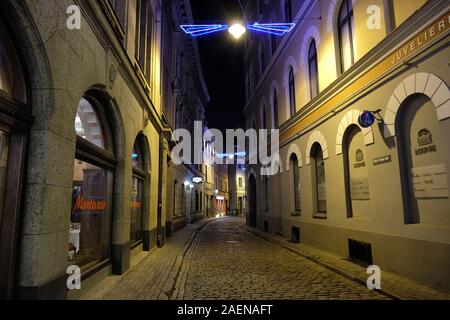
90,219
12,85
137,192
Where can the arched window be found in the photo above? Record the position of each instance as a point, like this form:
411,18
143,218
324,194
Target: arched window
423,156
356,173
137,191
288,11
313,70
319,180
292,102
295,181
92,194
346,27
275,108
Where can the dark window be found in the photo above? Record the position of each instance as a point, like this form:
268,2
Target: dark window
346,28
264,118
288,11
292,92
261,7
313,70
144,34
90,228
275,108
319,178
120,6
296,182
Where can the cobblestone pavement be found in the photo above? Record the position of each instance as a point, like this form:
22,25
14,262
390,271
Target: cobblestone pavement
227,262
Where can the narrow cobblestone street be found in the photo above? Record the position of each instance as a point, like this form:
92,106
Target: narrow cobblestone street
220,259
227,262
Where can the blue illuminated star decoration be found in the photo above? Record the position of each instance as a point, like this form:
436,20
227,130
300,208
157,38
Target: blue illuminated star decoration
278,29
202,29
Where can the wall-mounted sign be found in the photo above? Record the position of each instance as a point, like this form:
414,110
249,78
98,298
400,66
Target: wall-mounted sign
430,181
425,141
197,180
382,160
359,157
220,198
359,188
366,119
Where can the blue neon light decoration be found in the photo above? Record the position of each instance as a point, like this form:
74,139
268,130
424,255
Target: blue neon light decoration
196,30
278,29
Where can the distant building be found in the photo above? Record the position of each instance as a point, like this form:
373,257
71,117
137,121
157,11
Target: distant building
375,193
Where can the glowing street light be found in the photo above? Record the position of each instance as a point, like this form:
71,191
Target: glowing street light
237,30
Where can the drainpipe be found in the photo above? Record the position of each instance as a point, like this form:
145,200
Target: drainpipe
160,236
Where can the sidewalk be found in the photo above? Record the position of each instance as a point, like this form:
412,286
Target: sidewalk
153,276
391,284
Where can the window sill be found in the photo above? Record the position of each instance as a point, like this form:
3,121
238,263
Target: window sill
319,216
296,214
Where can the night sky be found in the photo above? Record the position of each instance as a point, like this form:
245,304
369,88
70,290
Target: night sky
222,62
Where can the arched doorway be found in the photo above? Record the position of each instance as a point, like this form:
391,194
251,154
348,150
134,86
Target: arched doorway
252,198
356,173
423,158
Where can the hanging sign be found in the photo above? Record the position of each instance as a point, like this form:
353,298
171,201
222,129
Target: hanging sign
366,119
197,180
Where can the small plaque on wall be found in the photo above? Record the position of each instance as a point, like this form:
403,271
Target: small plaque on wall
359,188
430,182
382,160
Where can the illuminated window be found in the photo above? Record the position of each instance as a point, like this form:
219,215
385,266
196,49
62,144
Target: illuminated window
137,192
12,84
346,28
313,70
292,92
92,193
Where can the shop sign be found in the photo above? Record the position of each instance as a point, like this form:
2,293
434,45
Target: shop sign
197,180
90,205
359,157
430,181
425,141
135,204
